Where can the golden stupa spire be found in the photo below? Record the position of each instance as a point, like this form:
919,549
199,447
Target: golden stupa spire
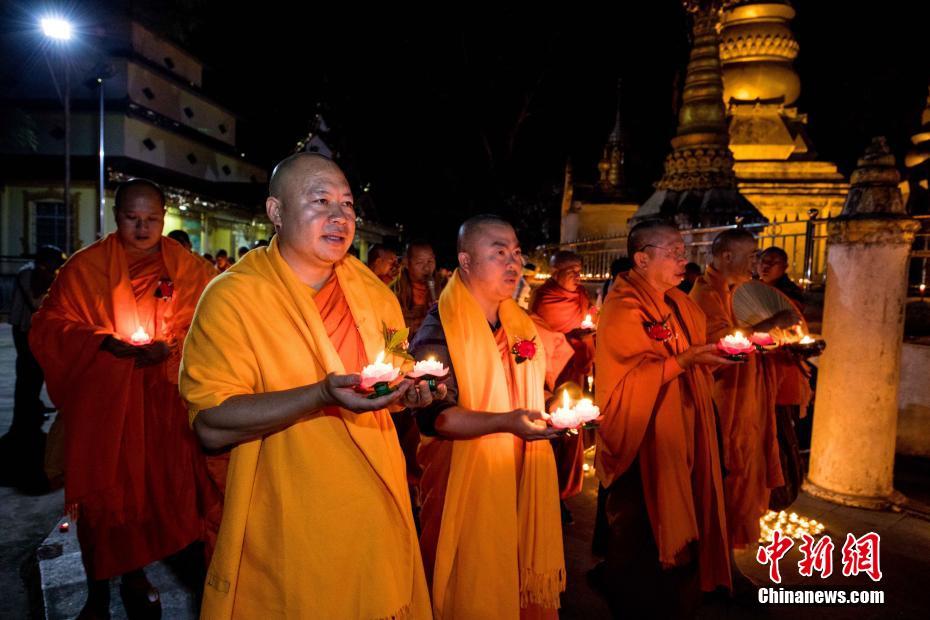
699,185
611,163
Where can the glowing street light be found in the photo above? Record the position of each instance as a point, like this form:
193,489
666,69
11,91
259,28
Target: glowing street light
59,31
56,28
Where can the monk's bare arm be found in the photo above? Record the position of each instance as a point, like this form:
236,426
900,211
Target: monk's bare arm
460,423
251,416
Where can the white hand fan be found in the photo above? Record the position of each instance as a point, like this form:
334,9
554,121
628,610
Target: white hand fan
754,302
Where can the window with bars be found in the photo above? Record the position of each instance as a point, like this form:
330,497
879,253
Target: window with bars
50,224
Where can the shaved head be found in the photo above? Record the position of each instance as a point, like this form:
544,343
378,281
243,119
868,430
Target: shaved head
564,258
418,245
648,233
310,163
729,239
734,253
471,229
313,212
138,189
774,251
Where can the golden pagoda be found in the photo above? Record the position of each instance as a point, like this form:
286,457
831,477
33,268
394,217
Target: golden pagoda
775,163
699,187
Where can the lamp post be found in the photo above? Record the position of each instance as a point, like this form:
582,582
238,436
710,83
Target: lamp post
59,31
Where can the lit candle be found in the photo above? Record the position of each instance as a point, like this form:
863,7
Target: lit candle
587,323
140,337
429,369
735,346
565,416
378,375
590,383
806,340
429,366
586,410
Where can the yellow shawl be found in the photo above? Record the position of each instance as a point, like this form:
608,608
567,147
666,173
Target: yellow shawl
317,521
500,543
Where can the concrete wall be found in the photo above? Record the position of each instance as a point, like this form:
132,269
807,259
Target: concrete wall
914,401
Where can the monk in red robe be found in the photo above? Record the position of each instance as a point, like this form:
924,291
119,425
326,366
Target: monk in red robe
657,449
108,338
744,393
563,304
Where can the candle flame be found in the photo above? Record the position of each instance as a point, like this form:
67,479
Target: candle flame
140,336
738,334
431,358
565,402
587,318
380,358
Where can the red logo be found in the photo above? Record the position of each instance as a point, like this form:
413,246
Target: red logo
773,553
817,557
859,555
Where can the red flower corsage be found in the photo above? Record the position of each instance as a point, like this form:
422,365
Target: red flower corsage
524,350
165,289
660,331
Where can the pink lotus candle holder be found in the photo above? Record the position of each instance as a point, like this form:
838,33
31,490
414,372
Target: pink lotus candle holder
736,347
430,370
377,377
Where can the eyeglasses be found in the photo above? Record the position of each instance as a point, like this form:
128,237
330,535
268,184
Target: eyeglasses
669,252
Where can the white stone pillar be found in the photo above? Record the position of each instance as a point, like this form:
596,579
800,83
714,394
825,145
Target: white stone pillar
856,411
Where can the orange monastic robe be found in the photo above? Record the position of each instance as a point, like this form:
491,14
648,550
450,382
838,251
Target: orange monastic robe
663,416
745,398
492,535
317,520
563,311
134,473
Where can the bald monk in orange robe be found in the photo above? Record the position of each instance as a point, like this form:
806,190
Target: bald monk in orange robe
492,536
317,520
134,474
563,304
657,450
744,394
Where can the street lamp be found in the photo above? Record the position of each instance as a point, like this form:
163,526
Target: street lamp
59,31
56,28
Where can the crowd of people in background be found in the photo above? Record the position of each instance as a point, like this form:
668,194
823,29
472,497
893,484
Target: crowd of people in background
415,501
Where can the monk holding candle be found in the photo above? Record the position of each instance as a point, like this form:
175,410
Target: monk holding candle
563,304
491,532
134,474
657,451
744,393
317,520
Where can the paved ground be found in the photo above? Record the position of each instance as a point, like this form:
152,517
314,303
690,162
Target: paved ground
30,524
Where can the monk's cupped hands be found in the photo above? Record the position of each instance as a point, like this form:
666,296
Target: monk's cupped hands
530,425
705,354
341,391
144,355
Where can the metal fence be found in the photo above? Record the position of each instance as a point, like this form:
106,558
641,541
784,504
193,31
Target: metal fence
804,241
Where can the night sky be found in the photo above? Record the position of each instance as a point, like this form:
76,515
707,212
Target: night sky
447,112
